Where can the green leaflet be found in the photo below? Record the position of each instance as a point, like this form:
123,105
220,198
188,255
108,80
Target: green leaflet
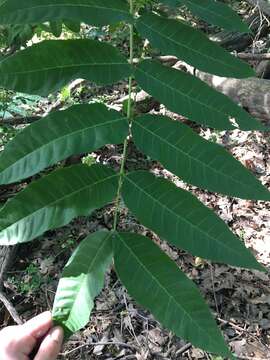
191,45
73,25
179,217
154,280
213,12
55,27
54,200
81,281
48,66
79,129
195,160
189,96
94,12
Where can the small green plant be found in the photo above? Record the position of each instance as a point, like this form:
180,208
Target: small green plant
69,243
65,94
5,100
88,160
174,214
29,282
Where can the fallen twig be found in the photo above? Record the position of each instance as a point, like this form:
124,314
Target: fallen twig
11,309
252,358
183,349
102,343
251,56
19,120
263,5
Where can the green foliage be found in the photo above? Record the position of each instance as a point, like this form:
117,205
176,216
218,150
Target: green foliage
82,280
77,130
12,103
56,62
30,281
184,94
18,35
205,164
15,36
5,100
170,36
159,285
177,216
55,200
95,12
174,214
213,12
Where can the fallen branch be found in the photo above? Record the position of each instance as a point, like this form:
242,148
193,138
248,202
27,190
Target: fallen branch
102,343
250,56
7,256
19,120
183,349
170,60
11,309
263,5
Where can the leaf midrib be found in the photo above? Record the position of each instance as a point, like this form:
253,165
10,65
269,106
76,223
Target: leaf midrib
212,109
162,139
91,265
66,66
186,220
193,49
68,5
161,285
56,201
213,13
58,139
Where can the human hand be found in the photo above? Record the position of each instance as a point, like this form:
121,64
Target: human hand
18,342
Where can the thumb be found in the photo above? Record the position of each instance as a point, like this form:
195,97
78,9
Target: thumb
38,326
22,339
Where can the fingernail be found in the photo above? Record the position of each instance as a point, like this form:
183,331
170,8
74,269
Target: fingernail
57,334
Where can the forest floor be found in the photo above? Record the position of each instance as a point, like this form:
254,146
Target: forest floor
119,328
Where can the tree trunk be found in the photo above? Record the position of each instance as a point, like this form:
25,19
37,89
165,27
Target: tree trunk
252,94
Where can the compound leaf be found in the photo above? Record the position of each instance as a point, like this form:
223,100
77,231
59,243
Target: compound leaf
81,281
94,12
189,96
46,67
79,129
195,160
179,217
214,12
54,200
155,281
191,45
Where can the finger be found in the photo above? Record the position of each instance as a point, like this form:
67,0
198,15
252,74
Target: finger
51,345
15,357
39,325
15,341
21,357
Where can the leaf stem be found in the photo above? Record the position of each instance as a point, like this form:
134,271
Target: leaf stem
129,116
